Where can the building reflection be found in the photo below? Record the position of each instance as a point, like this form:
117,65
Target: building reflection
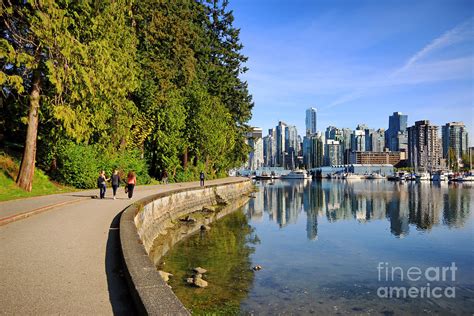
405,206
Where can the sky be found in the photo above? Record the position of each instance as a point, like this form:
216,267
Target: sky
358,61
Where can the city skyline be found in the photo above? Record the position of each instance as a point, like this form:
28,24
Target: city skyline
363,69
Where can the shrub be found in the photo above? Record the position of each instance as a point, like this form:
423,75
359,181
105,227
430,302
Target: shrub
79,165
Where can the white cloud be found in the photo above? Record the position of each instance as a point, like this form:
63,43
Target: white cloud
412,72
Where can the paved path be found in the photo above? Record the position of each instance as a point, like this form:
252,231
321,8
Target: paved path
66,260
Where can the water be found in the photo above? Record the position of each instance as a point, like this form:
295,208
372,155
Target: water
329,248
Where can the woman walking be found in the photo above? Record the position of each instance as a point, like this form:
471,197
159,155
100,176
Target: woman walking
115,182
101,184
131,182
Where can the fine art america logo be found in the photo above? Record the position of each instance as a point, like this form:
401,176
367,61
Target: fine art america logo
428,277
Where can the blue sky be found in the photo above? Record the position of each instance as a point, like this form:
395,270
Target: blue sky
358,61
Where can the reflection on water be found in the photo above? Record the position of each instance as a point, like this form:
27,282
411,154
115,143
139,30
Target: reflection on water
320,244
422,204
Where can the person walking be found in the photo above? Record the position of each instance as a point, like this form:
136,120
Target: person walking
101,184
115,179
165,177
131,182
201,177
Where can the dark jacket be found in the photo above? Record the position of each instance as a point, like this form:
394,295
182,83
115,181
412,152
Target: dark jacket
115,180
100,181
201,176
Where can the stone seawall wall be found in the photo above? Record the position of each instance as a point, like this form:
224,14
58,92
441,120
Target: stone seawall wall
146,220
158,215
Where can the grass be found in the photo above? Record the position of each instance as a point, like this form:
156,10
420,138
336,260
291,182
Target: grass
42,185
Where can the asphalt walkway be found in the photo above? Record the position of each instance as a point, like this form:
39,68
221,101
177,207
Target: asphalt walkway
66,259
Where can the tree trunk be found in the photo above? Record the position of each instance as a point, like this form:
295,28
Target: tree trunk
27,166
185,158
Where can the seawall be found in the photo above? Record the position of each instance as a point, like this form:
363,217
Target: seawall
146,222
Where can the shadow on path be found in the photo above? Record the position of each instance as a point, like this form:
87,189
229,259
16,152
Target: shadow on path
119,295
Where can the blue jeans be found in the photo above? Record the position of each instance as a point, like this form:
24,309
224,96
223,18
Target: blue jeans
103,188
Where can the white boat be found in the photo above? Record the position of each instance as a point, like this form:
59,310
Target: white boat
352,176
375,176
469,178
423,176
296,174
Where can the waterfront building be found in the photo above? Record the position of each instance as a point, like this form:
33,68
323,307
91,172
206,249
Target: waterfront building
332,152
255,141
280,144
358,140
268,150
455,137
424,148
346,144
311,115
396,137
377,139
291,147
313,151
388,157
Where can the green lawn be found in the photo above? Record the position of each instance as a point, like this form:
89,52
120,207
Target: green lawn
41,183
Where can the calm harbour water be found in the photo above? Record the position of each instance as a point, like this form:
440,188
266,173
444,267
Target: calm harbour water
329,248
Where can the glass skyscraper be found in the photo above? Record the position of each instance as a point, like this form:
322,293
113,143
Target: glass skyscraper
396,134
311,121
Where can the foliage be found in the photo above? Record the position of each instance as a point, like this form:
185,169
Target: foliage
79,165
159,79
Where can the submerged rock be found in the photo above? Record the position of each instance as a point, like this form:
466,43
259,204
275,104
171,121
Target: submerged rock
200,270
165,275
257,268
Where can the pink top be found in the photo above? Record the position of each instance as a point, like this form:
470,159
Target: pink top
132,180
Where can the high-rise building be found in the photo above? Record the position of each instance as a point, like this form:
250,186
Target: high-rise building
332,153
291,146
280,144
311,116
378,140
346,145
424,148
255,141
358,140
455,137
396,134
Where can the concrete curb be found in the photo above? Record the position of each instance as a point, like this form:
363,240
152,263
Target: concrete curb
151,295
17,217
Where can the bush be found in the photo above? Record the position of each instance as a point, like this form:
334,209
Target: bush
79,165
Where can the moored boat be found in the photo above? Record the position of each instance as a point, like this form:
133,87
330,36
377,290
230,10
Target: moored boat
375,176
423,176
296,174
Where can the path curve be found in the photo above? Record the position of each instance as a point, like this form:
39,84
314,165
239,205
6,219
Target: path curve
66,260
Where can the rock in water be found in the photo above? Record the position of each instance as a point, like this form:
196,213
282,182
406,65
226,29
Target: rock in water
200,270
200,282
165,275
257,268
